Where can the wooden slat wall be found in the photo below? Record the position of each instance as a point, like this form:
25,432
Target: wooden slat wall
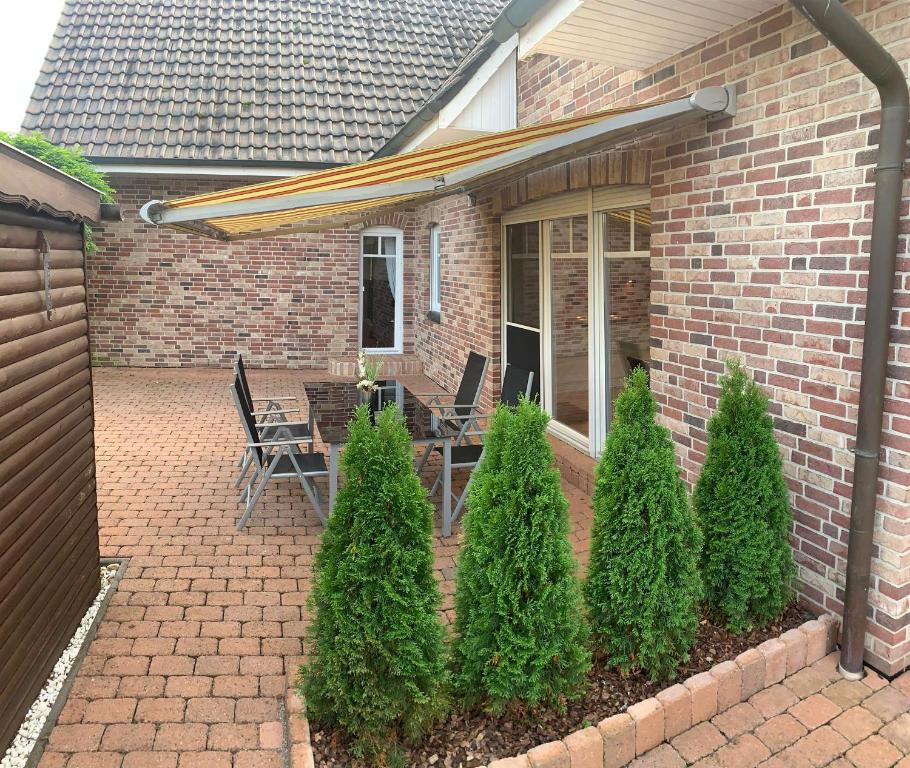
49,559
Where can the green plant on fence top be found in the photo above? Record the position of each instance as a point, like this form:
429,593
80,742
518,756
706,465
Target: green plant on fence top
741,498
521,636
643,587
70,161
377,665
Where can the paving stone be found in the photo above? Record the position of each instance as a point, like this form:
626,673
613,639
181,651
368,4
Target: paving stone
649,724
703,689
739,719
677,705
874,752
729,684
847,693
898,733
663,756
888,703
856,724
744,751
780,732
774,700
815,711
699,741
818,747
618,734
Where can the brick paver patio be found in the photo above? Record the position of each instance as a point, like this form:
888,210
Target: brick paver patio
191,661
813,718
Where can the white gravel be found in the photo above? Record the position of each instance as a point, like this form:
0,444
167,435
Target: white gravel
17,755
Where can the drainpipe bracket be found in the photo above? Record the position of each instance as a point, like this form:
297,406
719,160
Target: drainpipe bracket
897,167
864,454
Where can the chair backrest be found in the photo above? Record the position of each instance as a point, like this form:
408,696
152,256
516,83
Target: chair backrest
468,394
246,417
244,384
515,382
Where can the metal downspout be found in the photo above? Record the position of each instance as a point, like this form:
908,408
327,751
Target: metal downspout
851,39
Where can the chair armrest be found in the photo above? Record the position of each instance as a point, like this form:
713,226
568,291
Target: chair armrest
275,412
273,399
272,443
432,394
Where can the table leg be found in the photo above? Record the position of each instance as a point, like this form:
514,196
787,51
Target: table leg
334,448
446,488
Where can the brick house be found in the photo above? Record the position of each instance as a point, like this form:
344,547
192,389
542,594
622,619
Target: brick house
739,236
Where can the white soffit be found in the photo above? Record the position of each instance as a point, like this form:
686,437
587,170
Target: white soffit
486,103
634,34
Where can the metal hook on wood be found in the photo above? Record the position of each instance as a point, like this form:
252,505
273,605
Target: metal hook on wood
45,250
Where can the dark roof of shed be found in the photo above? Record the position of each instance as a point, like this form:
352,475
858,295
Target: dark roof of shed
299,81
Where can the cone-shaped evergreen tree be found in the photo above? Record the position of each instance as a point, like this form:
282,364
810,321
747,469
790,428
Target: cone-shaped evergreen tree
377,665
521,636
742,501
643,587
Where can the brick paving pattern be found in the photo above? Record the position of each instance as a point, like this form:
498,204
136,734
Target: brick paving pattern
193,653
811,719
191,660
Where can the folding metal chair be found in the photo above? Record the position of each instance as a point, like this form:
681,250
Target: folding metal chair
276,458
273,409
515,383
301,432
463,403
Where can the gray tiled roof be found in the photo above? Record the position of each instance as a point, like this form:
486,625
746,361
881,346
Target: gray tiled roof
247,80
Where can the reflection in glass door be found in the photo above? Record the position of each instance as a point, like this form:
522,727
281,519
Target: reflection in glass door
522,310
627,295
567,254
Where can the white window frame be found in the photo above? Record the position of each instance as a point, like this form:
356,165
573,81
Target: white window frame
435,271
399,290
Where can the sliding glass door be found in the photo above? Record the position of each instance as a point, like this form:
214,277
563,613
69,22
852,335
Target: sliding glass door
522,298
567,283
576,307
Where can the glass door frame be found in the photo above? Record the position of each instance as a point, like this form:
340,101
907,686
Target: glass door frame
399,289
574,438
544,216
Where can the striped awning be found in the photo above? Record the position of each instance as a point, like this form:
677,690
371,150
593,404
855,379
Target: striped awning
352,193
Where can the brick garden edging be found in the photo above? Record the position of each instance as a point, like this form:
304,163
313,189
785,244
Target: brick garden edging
619,739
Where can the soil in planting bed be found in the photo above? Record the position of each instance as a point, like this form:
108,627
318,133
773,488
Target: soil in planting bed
470,739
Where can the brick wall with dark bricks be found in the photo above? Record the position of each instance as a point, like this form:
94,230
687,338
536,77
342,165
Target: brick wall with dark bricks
760,252
162,298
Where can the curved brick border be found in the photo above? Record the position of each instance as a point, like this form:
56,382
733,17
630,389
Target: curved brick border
619,739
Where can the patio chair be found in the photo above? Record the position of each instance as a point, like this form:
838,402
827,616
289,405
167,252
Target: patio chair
463,403
515,383
274,409
277,458
299,431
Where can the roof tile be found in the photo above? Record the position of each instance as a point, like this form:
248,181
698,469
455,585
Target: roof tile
325,81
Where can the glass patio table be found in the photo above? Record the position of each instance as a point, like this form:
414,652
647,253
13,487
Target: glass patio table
331,407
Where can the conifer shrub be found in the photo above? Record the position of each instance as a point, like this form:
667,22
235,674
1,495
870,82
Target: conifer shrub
521,635
643,587
742,501
377,664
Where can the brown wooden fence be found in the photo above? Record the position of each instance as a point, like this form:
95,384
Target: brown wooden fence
49,560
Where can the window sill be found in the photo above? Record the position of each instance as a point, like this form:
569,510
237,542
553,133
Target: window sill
434,317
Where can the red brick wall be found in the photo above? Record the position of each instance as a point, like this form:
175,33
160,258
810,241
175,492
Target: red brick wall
161,298
470,244
759,252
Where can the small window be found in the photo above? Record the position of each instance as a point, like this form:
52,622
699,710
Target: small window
435,278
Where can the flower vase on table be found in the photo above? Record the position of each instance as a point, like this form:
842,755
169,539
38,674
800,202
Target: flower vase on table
367,374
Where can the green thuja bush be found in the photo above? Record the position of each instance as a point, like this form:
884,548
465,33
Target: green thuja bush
377,662
521,636
643,587
741,499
